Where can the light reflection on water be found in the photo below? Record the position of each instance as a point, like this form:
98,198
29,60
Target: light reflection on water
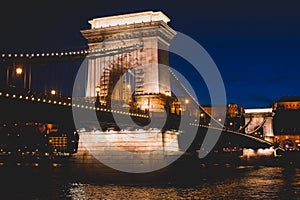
250,183
214,182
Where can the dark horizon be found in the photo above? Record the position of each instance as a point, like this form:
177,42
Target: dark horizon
255,45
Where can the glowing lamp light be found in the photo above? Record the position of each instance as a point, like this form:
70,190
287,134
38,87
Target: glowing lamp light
98,89
187,101
53,92
19,70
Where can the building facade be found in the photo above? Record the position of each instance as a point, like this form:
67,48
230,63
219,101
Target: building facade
286,122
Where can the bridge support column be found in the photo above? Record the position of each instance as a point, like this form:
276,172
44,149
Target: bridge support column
130,41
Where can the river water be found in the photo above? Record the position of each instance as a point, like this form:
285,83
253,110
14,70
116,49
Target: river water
210,182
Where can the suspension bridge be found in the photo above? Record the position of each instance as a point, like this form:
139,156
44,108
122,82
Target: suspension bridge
118,75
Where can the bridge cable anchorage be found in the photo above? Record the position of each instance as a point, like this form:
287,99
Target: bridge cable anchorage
195,101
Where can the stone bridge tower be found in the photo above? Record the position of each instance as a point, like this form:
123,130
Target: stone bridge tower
260,121
129,42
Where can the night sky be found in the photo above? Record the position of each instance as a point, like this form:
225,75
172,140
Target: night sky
255,44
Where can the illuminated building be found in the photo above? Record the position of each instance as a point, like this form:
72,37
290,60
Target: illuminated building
286,122
61,140
59,143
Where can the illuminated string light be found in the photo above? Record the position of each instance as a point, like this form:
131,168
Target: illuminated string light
80,52
82,106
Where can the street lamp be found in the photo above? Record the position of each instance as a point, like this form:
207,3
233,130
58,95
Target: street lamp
98,90
202,118
186,106
18,76
19,70
53,92
98,93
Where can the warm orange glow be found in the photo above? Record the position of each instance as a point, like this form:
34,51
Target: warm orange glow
56,164
202,115
35,164
19,70
98,89
53,92
187,101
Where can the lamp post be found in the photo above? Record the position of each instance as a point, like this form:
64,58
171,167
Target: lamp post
202,118
98,93
186,106
18,73
97,102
